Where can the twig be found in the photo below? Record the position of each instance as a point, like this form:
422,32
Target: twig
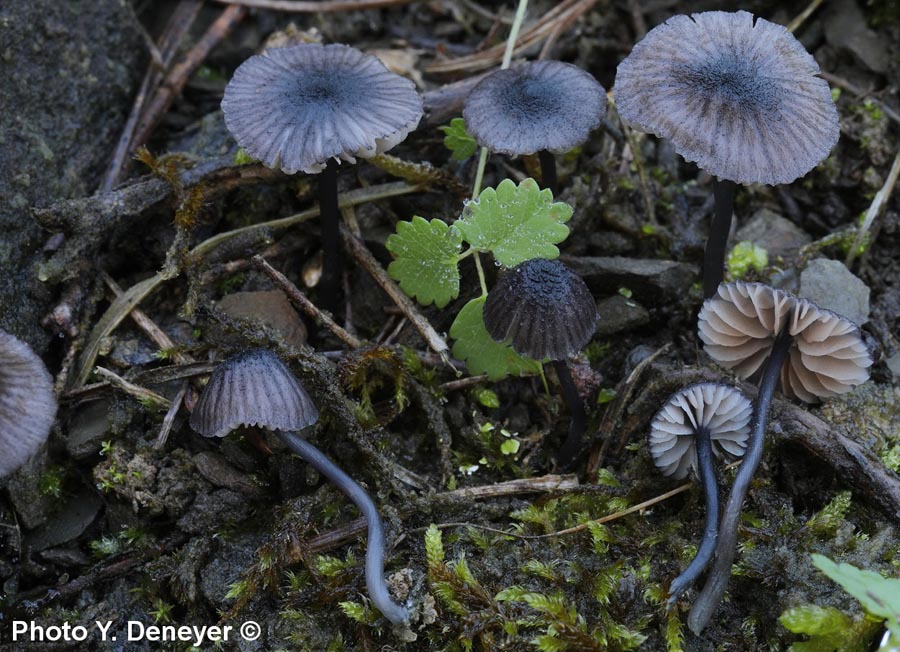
169,419
142,394
637,19
876,208
462,383
795,24
178,26
859,92
300,7
367,261
297,297
178,76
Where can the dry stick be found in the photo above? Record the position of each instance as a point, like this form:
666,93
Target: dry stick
463,383
142,394
876,208
367,261
859,92
176,29
177,77
169,419
795,24
299,7
299,299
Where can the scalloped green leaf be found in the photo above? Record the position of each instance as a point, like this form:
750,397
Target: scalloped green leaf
515,223
878,595
426,256
480,352
458,140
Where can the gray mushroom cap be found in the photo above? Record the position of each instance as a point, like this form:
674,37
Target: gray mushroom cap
741,98
27,403
541,105
298,107
254,388
724,410
543,309
828,356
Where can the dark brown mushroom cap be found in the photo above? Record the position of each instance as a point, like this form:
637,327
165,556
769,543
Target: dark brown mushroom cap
828,356
541,105
27,403
295,108
724,410
742,99
543,309
254,388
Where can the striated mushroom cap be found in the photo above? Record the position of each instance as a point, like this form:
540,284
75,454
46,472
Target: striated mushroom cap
27,403
543,309
724,410
254,388
741,98
541,105
828,356
295,108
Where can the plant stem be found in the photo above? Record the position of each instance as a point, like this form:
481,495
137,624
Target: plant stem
711,529
717,581
570,393
481,279
714,255
548,170
330,285
375,584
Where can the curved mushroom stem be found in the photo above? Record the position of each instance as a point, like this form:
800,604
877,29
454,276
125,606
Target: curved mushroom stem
375,584
711,529
331,237
709,598
548,170
579,416
714,254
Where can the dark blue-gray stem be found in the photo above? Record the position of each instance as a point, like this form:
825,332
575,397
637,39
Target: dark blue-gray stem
548,171
572,445
332,268
375,584
714,254
711,529
709,598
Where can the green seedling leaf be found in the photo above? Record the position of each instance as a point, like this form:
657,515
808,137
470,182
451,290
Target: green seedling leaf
480,352
879,596
515,223
458,140
426,255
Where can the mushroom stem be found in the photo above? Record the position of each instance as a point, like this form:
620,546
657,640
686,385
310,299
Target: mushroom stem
548,170
579,416
709,598
714,255
331,237
710,531
375,584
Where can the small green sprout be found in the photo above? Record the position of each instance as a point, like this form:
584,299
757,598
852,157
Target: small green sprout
744,257
458,140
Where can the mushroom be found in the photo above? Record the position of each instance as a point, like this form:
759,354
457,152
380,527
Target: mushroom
306,108
741,98
256,388
545,311
27,403
696,423
542,107
811,352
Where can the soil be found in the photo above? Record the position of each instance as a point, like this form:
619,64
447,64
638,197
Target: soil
128,515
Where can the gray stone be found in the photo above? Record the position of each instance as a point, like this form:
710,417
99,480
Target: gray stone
774,233
87,429
846,29
213,511
618,313
270,307
648,278
219,472
72,519
829,284
893,364
69,70
24,486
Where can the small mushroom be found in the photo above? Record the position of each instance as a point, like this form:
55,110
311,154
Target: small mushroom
542,107
256,388
740,97
813,353
309,106
695,424
545,311
27,403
